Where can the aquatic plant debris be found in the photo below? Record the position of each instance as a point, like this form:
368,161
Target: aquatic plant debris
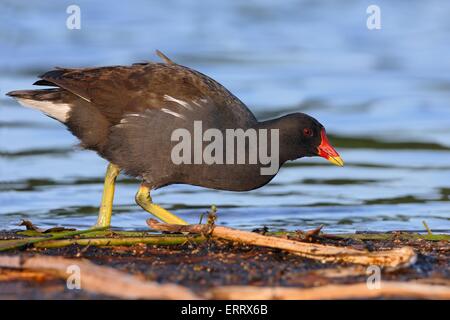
396,258
208,264
24,242
30,226
113,283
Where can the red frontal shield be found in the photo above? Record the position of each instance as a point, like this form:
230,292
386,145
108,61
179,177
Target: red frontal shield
325,150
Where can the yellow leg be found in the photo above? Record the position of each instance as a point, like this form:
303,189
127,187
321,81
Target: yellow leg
145,201
105,212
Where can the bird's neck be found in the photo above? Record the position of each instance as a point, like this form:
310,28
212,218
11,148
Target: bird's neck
287,141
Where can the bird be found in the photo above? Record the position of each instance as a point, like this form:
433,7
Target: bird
130,116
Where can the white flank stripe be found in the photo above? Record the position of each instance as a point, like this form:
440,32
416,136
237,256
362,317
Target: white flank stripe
59,111
180,102
172,113
197,104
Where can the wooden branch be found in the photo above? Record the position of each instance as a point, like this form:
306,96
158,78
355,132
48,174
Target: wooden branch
110,282
388,289
100,279
395,258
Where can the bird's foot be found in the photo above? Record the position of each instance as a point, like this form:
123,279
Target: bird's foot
144,200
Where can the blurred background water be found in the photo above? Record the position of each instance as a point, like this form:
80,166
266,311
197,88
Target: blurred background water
384,96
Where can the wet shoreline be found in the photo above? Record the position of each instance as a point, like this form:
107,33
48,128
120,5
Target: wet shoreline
201,266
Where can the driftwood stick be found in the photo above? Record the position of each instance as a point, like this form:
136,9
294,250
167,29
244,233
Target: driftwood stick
100,279
395,258
388,289
113,283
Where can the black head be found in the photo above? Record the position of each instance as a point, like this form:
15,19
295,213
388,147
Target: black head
303,136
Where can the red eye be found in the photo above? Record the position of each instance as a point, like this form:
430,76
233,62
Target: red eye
307,132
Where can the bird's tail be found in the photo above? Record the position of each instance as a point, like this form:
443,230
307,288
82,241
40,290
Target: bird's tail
49,101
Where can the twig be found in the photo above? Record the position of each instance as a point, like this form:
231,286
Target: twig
388,289
30,226
101,279
395,258
310,235
314,232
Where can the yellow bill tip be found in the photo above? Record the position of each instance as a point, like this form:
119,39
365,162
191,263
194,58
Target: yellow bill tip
336,161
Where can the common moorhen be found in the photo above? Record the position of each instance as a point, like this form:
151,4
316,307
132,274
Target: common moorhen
168,124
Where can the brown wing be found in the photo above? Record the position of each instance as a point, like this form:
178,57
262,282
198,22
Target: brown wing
120,90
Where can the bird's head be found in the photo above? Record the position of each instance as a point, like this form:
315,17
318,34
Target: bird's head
307,137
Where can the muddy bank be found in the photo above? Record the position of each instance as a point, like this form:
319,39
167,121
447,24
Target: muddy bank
204,265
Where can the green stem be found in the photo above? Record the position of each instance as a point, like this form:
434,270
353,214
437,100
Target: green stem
99,242
426,227
19,243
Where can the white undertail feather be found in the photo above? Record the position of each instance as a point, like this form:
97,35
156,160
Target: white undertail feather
59,111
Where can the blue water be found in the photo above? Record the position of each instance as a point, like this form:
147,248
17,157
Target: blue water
383,95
